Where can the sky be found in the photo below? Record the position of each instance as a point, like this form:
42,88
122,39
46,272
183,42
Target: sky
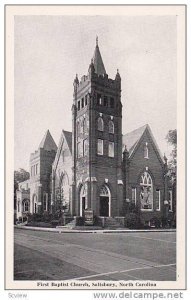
50,50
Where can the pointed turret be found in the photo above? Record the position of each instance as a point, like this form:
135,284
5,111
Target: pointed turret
97,61
47,142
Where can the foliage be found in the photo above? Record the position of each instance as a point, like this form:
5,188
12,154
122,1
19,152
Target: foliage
155,222
19,176
171,138
133,220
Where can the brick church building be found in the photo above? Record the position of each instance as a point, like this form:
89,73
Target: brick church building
95,166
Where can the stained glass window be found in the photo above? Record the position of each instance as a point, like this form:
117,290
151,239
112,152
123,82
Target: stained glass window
146,194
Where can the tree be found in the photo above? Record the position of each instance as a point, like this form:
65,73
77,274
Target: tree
172,167
19,176
171,138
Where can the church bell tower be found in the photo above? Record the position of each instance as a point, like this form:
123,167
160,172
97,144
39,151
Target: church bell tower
97,141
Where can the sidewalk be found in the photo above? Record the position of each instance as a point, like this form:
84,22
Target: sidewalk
84,229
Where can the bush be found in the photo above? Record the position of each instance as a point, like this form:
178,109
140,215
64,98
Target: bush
80,221
133,221
54,223
155,222
164,222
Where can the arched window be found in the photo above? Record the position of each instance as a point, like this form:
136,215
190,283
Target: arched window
25,205
104,191
146,194
111,126
146,151
34,204
100,124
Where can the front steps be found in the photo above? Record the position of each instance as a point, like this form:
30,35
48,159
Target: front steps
103,222
111,223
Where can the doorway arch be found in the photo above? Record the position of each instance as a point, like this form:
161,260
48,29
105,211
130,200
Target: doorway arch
105,201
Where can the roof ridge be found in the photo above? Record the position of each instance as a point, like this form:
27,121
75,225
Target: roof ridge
146,125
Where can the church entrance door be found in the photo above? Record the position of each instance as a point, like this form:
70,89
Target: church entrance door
104,206
105,201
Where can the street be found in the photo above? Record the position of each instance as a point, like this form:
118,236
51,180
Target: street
94,256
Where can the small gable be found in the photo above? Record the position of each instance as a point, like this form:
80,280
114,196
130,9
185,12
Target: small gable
142,140
131,139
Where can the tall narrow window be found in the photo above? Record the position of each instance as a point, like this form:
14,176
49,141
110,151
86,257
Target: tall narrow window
85,147
79,149
18,205
84,125
170,200
86,99
25,205
79,105
133,196
111,149
99,101
78,129
112,102
100,124
105,101
146,195
45,202
111,126
157,200
100,147
146,151
82,103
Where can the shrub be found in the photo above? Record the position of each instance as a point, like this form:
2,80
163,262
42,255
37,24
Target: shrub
80,221
164,222
155,222
54,223
133,221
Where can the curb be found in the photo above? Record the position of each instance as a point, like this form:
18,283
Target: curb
102,231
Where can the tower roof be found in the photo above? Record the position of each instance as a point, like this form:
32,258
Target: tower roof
97,61
47,142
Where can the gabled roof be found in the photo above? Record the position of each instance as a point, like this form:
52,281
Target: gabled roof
48,142
65,135
97,61
131,140
68,136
